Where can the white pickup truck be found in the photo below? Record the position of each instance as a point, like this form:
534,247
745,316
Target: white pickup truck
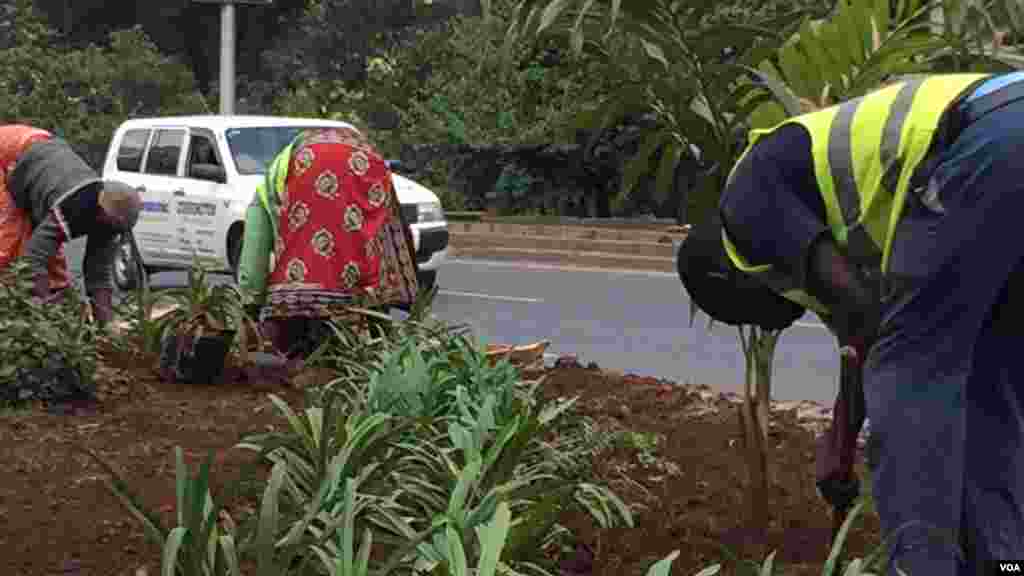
197,176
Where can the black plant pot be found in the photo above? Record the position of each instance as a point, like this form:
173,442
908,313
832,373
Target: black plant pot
195,360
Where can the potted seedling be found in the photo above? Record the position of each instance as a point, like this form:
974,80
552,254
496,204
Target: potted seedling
199,332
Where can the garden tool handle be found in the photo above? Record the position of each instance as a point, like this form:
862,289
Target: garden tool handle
850,371
137,258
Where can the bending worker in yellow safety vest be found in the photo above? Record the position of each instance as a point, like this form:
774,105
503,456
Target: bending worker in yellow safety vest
894,217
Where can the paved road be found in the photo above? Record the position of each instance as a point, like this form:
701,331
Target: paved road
631,321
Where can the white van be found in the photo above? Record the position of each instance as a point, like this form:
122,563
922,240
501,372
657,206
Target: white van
197,176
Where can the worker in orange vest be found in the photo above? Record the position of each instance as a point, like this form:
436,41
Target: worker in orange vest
49,195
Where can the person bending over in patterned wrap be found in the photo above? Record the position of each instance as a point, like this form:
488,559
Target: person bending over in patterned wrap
322,234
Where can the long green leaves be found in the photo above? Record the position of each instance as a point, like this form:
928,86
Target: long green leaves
197,546
678,77
867,42
37,335
433,455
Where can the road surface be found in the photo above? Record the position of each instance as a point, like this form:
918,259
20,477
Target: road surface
626,320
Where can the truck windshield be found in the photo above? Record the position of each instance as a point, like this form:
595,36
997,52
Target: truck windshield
253,149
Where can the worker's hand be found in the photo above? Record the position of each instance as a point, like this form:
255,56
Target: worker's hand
48,299
41,287
854,349
839,493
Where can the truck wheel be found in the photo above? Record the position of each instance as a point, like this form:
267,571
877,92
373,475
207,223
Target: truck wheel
426,279
126,269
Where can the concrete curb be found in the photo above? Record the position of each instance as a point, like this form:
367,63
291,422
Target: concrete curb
598,260
652,248
579,245
662,234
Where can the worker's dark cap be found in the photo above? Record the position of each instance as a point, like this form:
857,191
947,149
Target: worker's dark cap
724,292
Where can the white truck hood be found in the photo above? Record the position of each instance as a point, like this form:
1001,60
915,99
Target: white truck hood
411,192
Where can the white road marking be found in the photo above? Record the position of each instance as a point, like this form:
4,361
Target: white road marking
538,266
490,296
555,267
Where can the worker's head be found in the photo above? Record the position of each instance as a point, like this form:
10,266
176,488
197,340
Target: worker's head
119,205
721,290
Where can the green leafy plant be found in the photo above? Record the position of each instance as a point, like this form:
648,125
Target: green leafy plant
337,434
139,306
35,334
439,438
672,68
477,462
862,44
197,545
200,546
354,349
83,93
419,378
201,307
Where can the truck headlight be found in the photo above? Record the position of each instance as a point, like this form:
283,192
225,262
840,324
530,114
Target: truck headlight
429,212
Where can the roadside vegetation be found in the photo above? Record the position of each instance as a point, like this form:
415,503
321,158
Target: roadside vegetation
420,454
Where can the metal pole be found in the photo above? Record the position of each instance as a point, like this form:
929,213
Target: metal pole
227,58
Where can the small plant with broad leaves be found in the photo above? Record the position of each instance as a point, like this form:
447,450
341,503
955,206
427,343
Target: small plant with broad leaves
476,460
202,308
200,544
441,440
48,349
201,311
354,348
206,541
420,379
470,482
142,331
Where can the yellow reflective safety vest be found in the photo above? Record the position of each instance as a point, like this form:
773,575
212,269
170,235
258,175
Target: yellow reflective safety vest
865,152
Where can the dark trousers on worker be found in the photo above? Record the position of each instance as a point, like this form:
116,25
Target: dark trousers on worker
943,384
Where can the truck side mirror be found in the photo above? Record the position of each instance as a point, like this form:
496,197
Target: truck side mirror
210,172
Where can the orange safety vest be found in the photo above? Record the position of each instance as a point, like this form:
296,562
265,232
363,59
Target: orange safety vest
15,223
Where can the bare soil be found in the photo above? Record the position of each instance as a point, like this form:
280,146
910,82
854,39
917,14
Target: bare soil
57,518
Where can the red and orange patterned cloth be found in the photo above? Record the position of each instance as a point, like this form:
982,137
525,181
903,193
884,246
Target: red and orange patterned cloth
339,238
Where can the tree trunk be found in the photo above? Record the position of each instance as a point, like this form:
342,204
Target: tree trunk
755,414
764,356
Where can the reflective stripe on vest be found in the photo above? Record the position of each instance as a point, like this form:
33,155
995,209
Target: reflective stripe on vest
274,179
782,284
860,246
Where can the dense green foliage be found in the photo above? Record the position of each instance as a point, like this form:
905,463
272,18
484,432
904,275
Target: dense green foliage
46,349
83,93
423,456
430,75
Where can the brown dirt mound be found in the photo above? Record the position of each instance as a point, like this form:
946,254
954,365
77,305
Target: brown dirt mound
692,488
60,519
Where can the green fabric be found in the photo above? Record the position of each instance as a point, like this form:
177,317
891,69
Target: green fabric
261,230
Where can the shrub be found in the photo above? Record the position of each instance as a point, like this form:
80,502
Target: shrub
445,85
83,94
47,350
